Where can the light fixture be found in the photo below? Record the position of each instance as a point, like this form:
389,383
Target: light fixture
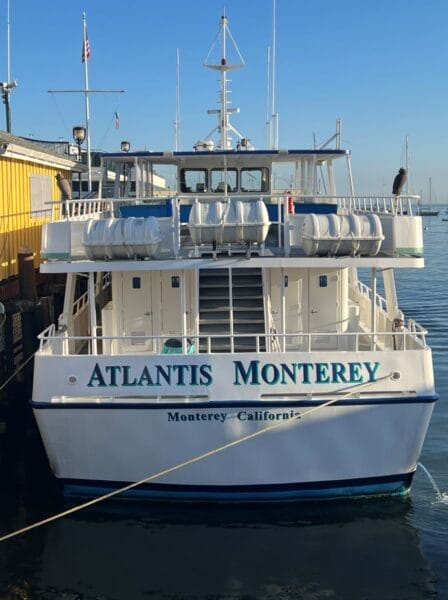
125,146
79,135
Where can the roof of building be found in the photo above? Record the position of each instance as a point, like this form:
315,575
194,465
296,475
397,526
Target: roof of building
23,149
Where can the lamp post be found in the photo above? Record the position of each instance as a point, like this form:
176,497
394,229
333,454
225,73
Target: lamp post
79,135
125,147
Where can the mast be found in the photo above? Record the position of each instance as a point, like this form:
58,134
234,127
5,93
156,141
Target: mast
86,91
177,121
274,115
87,106
8,86
224,126
268,99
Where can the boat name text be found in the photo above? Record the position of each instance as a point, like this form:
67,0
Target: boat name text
252,373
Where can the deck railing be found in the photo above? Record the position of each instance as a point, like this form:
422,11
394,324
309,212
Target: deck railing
86,207
413,337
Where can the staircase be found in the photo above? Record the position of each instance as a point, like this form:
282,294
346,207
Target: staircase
231,301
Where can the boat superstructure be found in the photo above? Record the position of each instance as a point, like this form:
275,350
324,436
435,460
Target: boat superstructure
220,304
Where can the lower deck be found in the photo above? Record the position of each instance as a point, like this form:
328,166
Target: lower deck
231,310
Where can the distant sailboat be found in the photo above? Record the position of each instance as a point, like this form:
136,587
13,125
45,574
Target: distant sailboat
428,212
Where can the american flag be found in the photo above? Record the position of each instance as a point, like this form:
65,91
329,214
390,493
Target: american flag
85,50
117,120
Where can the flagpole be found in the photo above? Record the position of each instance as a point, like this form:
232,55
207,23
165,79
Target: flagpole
86,95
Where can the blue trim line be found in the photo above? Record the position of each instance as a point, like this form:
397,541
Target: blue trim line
307,151
211,404
390,485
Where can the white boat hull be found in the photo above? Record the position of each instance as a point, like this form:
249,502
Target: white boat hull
354,448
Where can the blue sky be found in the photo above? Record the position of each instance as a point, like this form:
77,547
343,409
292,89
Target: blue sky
382,67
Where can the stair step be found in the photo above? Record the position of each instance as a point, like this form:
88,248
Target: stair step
238,316
243,303
239,345
218,292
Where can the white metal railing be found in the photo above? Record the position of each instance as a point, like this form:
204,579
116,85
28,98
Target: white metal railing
413,337
79,209
395,205
364,290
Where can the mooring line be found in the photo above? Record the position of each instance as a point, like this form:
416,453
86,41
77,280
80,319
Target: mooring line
19,368
392,375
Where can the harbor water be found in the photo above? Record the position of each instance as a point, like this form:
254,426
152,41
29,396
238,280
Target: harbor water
390,548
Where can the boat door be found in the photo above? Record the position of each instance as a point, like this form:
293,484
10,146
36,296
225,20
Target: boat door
136,309
324,301
289,306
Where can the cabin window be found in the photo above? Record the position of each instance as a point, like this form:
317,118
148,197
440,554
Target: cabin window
224,180
193,181
136,283
255,180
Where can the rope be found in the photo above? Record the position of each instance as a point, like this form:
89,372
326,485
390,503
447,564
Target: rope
16,371
393,375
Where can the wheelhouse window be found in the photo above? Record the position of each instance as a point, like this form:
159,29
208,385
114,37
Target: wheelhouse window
255,180
224,180
193,181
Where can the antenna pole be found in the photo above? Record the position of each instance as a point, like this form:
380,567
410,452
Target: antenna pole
8,41
87,106
223,112
268,99
177,121
274,133
224,118
7,86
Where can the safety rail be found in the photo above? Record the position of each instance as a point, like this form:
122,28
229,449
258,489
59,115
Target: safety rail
412,337
79,209
395,205
364,290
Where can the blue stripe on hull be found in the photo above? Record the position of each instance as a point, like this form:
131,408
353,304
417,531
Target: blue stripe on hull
139,404
392,485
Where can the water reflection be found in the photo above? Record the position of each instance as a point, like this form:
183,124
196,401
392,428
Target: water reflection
128,550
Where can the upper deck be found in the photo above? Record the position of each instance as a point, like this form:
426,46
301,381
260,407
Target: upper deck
228,206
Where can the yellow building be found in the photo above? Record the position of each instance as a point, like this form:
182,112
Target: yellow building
28,190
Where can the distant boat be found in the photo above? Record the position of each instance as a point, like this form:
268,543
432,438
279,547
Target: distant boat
428,211
423,212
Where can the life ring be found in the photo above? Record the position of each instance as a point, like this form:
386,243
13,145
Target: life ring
290,204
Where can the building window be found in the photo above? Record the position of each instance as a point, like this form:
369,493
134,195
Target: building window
41,194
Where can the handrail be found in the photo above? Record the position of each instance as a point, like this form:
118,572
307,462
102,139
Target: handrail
364,290
415,331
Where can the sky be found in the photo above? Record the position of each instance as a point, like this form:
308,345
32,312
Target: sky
380,66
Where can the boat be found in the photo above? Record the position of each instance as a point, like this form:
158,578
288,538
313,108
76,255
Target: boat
428,211
225,339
